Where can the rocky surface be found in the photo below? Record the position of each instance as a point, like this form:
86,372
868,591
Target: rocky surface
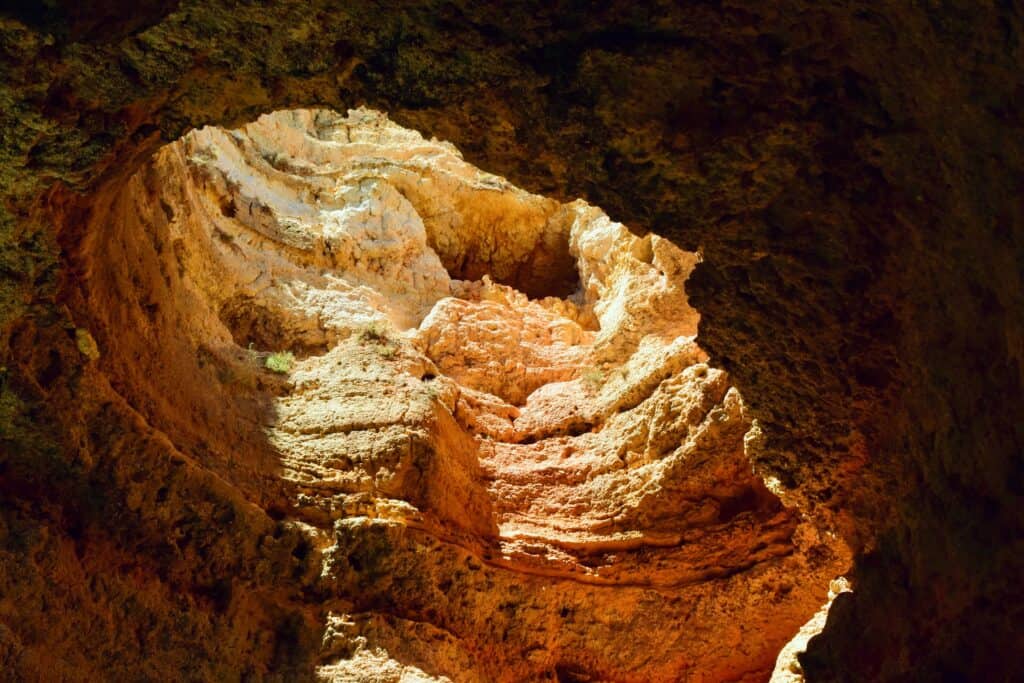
788,668
478,485
850,173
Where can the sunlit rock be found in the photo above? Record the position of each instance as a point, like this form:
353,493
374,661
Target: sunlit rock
485,411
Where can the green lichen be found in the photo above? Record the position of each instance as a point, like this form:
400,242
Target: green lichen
86,344
280,362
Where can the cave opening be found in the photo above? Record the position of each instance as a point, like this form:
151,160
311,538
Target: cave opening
493,399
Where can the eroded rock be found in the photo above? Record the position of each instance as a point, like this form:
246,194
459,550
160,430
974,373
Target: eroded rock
494,478
858,219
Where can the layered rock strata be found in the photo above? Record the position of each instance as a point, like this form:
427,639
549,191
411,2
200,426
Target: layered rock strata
480,415
851,175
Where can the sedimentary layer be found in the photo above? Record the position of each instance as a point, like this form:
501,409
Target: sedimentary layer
481,417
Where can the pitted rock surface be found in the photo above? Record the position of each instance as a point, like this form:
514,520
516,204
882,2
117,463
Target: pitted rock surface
849,173
540,484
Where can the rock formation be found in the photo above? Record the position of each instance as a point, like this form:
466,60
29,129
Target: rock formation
849,173
328,314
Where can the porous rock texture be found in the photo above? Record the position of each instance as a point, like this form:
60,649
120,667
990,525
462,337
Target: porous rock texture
477,485
850,172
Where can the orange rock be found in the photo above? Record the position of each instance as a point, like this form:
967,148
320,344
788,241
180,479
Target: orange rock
507,453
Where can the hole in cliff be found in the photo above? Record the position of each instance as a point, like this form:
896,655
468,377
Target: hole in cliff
227,207
335,310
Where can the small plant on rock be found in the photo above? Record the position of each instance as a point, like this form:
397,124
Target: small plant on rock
374,332
280,362
386,350
376,335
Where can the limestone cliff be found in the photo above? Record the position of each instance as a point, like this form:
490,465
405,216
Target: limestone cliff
480,414
850,173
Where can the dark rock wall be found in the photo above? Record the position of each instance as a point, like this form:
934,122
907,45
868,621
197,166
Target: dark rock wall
851,171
